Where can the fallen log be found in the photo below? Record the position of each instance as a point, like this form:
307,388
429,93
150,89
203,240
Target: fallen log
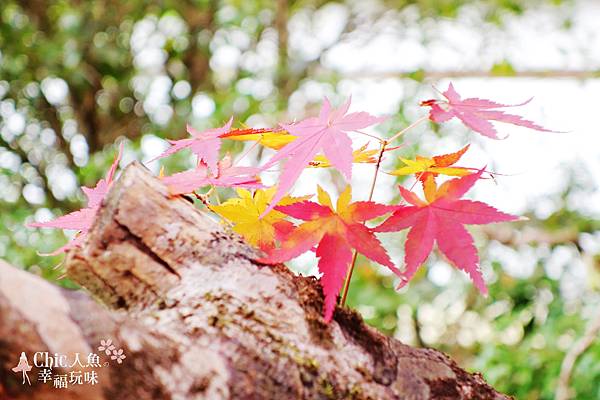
198,317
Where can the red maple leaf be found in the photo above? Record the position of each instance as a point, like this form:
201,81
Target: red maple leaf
440,219
328,133
335,233
246,131
227,176
475,113
82,220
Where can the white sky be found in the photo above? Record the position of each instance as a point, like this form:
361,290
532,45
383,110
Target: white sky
533,41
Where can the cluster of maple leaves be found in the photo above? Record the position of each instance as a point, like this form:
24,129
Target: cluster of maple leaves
335,234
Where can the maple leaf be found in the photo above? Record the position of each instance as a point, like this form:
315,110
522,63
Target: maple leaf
273,139
359,156
328,133
424,167
476,113
440,219
335,233
245,210
228,176
205,145
278,139
82,220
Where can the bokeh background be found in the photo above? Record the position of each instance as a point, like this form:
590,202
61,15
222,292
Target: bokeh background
76,76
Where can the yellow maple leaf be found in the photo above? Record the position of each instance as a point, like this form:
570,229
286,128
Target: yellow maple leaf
425,167
265,137
360,155
244,213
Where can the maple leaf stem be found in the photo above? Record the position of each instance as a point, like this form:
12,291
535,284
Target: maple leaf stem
217,197
348,278
248,151
204,197
377,166
380,140
408,128
419,175
60,264
384,143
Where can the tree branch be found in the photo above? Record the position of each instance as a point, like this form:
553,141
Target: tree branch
568,364
199,317
437,75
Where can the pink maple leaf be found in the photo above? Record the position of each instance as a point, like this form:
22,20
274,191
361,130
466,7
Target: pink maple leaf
476,113
441,220
82,220
228,176
205,145
327,133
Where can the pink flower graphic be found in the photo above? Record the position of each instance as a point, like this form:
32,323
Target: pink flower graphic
118,355
106,346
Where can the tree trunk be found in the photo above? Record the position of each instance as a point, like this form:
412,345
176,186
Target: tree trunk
199,318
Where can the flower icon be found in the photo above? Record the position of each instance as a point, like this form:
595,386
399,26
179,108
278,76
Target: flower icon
106,346
118,355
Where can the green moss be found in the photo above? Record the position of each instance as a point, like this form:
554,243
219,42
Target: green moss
327,388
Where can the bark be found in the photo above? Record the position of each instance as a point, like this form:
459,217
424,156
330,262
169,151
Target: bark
199,318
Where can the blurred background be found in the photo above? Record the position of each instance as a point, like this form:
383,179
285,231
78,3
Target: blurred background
76,76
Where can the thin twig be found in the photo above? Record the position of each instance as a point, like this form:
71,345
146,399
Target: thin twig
408,128
204,197
380,140
437,75
568,364
384,144
248,151
355,255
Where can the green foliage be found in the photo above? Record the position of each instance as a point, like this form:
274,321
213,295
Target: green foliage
517,337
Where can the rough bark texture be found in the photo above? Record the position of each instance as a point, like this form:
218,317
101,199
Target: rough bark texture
200,318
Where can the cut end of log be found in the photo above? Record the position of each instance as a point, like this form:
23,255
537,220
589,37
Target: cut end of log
200,318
